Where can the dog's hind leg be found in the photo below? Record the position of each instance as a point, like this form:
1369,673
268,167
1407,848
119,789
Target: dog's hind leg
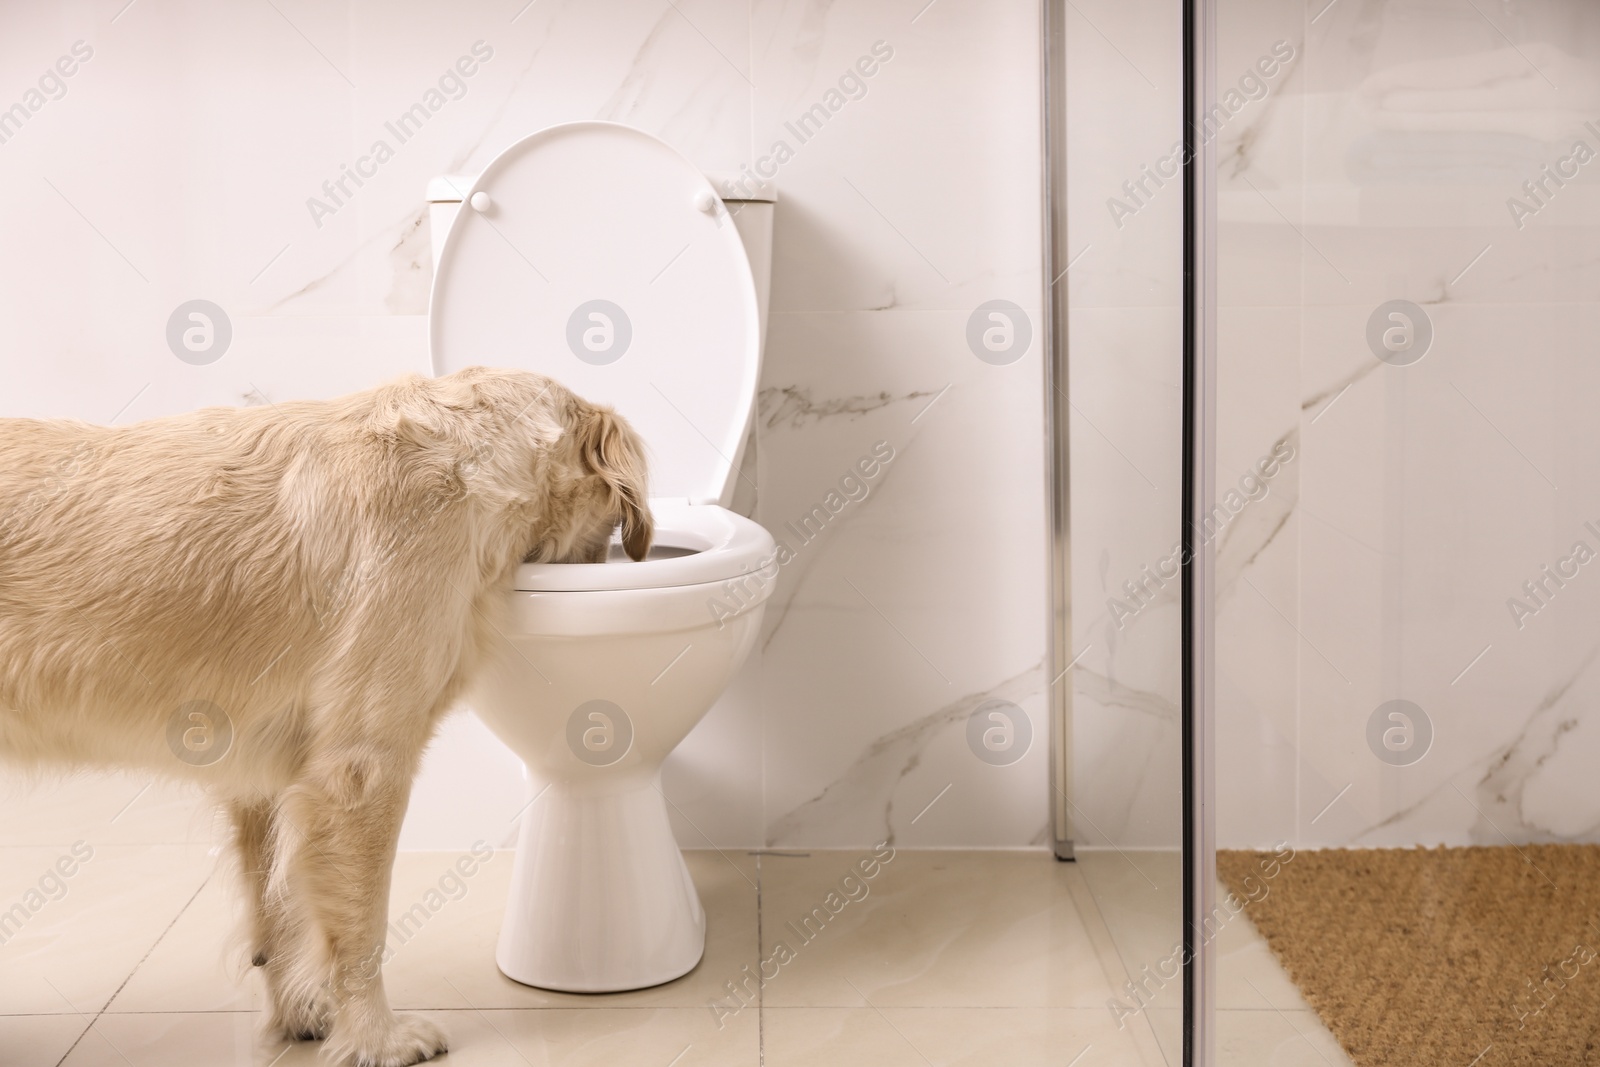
277,934
347,806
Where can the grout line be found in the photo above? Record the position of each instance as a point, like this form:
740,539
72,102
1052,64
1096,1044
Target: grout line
761,993
168,929
479,1013
101,1034
76,1042
1087,906
453,1007
532,1008
203,883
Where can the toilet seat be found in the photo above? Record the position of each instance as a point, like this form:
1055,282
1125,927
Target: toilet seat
596,254
694,544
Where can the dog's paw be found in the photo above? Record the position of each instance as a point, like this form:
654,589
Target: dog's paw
408,1039
307,1021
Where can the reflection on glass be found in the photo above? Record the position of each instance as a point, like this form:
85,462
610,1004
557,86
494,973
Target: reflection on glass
1118,287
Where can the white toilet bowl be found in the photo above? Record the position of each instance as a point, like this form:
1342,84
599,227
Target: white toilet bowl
581,237
593,687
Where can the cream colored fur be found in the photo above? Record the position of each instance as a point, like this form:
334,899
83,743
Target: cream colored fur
322,578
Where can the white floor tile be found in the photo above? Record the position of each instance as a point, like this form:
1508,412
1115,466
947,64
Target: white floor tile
947,958
963,929
29,1040
1268,1038
70,942
101,807
971,1037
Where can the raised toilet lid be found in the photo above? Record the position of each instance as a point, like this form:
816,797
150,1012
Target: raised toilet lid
600,256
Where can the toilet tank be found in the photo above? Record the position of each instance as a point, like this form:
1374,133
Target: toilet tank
748,202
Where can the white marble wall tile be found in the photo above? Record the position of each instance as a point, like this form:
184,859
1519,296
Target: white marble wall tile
176,176
1258,560
922,190
1123,92
914,203
913,605
146,185
1428,493
180,163
1125,397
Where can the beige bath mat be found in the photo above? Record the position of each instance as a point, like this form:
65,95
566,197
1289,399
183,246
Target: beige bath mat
1451,957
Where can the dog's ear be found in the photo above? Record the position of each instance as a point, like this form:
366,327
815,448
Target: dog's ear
611,449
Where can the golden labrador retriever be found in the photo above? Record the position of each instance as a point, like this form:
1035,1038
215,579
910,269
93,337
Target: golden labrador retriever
282,602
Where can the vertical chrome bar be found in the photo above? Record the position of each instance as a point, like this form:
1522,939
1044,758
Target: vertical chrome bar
1199,493
1052,112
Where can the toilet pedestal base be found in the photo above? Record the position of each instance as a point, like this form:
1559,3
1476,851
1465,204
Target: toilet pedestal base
600,898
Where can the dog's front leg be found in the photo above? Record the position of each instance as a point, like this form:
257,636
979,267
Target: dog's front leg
346,816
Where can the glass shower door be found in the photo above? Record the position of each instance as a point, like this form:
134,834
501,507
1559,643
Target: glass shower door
1407,476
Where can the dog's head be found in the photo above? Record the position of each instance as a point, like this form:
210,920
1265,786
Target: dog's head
605,486
564,473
